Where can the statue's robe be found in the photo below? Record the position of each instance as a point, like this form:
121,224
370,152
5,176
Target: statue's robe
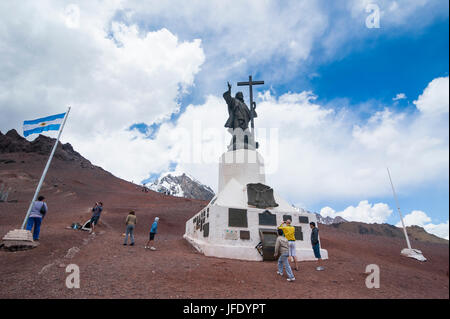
238,111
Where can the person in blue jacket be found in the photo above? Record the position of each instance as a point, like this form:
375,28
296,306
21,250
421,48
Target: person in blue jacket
152,234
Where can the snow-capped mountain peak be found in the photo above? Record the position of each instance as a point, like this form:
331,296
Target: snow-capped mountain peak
329,220
181,184
321,219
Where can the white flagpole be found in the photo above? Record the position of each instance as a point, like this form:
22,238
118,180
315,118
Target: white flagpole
398,208
45,170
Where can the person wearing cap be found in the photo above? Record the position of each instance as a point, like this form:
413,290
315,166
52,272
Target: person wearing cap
153,230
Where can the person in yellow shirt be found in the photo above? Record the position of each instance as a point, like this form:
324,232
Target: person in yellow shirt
289,233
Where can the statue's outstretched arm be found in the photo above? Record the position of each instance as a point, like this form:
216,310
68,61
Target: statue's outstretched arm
227,95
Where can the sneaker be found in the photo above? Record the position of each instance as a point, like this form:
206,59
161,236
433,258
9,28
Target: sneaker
124,244
291,279
320,268
152,248
132,244
279,273
145,247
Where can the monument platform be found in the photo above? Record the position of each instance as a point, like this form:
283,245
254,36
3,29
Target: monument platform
228,227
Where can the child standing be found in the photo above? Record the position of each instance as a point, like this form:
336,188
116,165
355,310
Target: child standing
152,233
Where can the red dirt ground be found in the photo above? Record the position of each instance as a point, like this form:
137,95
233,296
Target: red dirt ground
110,270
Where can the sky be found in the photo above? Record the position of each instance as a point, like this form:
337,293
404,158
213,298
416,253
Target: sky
351,88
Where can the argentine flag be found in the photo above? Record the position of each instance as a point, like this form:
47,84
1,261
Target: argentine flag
49,123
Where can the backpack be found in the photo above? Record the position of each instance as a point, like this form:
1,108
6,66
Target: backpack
43,210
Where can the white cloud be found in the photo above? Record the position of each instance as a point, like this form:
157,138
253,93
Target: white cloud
364,212
99,58
72,16
416,217
434,100
321,153
419,218
399,96
113,75
440,230
279,36
254,30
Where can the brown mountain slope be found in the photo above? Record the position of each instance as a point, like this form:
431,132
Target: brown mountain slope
110,270
415,233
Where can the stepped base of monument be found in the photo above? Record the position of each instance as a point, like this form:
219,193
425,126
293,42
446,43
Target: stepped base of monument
18,239
244,252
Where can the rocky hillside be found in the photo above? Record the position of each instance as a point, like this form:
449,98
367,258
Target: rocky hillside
181,185
415,233
105,262
12,142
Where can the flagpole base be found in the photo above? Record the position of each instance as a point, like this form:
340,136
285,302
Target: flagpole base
18,239
413,253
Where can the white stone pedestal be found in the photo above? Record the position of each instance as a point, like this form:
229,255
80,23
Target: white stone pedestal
213,230
413,253
244,166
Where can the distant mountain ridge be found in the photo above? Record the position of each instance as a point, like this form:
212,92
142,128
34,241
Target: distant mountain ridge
181,185
330,220
320,219
12,142
184,185
414,232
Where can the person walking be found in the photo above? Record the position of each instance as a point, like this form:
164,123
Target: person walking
282,249
315,244
96,211
153,231
289,233
130,222
37,213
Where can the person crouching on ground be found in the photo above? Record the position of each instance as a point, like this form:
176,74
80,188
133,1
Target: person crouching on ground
282,249
315,244
130,222
37,213
152,234
289,233
96,211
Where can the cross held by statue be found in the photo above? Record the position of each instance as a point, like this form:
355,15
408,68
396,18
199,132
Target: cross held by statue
250,84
